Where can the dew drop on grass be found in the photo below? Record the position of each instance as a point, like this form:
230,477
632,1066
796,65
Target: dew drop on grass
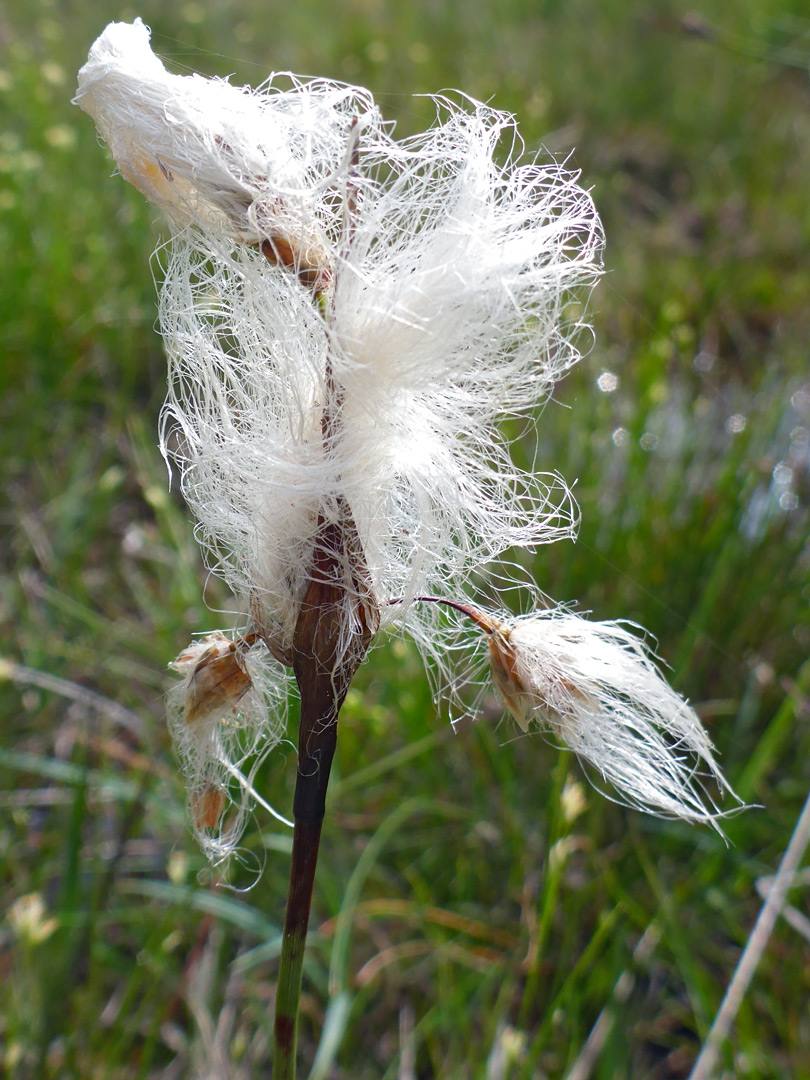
648,442
782,474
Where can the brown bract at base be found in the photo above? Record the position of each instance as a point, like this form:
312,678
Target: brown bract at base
337,620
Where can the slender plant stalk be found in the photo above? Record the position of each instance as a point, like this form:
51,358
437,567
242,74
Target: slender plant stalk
315,655
310,792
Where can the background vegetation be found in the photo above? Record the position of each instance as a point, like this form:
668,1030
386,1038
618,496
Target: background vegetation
476,900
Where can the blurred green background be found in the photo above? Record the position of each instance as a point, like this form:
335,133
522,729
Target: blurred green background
476,900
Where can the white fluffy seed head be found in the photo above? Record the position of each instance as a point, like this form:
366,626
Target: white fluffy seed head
595,686
448,315
227,713
410,296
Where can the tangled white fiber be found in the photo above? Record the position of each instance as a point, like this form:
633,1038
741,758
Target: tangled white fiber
348,320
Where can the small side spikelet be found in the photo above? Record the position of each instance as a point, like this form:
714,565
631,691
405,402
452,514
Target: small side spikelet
218,717
595,686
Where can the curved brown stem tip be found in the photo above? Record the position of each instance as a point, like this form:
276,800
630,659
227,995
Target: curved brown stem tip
487,622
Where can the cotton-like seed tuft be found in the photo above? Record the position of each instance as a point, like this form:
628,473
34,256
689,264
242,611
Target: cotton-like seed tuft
595,686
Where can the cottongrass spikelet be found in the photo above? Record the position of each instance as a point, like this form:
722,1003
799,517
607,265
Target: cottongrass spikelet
447,319
229,709
442,308
596,687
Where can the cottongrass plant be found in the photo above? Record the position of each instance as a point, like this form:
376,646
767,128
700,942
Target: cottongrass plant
348,320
